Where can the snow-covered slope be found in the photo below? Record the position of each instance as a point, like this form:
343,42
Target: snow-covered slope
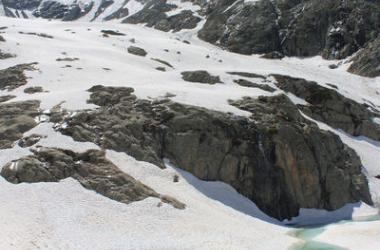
64,215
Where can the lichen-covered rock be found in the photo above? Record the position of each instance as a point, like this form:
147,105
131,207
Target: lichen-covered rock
91,169
14,77
328,106
200,76
15,119
278,159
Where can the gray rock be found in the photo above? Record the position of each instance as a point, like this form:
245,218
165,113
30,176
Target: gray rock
5,55
154,15
33,90
5,98
30,140
247,74
14,77
329,106
112,32
44,35
273,55
200,76
367,61
242,28
137,51
91,169
278,159
249,84
162,62
21,4
333,29
15,119
58,10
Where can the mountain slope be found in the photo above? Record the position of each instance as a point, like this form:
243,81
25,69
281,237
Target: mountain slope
142,95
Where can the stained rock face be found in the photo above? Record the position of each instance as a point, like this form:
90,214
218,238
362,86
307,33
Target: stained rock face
91,169
15,119
279,160
330,107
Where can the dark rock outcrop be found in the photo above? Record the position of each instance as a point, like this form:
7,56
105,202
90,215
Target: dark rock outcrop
154,15
14,77
279,160
5,98
249,84
30,140
112,32
65,12
21,4
91,169
200,76
333,29
242,28
15,119
328,106
33,90
5,55
367,61
136,51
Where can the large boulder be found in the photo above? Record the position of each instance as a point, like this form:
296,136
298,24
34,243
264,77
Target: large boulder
278,159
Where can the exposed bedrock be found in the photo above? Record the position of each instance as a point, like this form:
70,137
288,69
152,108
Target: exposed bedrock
329,106
367,61
277,158
91,169
154,14
333,29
